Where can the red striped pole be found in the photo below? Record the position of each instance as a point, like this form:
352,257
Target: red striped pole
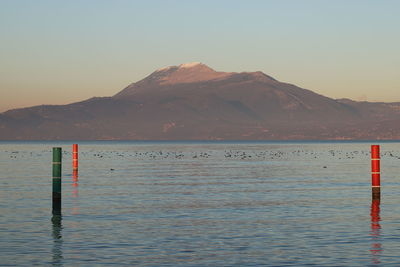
75,157
376,171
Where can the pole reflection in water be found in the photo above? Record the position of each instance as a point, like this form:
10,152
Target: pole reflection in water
75,195
376,247
75,183
57,240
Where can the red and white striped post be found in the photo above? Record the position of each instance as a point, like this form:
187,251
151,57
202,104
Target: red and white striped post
75,157
376,171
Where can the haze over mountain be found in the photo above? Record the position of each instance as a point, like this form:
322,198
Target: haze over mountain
193,101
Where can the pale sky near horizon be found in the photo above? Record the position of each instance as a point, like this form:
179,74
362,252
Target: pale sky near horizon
58,52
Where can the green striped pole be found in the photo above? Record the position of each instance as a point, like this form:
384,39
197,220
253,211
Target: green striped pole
56,180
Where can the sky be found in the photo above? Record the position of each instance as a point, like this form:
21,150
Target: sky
59,52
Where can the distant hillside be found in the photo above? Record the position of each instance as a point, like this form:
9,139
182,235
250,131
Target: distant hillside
192,101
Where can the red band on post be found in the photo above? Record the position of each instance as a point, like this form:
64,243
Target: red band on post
75,156
375,154
375,166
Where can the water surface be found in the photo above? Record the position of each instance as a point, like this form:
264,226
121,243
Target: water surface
200,204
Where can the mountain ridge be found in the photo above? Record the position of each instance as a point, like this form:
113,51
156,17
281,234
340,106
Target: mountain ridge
193,101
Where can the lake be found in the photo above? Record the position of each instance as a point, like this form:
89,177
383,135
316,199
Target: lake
200,204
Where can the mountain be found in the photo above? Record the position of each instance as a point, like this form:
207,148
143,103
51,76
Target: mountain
192,101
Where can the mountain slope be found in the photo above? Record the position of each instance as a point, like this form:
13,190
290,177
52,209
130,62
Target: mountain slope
193,101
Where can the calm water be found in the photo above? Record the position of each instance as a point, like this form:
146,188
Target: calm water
200,204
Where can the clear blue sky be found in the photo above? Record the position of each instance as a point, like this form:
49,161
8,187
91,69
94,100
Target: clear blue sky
57,52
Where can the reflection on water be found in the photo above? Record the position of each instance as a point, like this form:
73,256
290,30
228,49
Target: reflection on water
57,240
75,195
376,247
75,183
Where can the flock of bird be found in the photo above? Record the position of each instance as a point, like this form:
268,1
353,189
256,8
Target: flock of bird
217,154
231,154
